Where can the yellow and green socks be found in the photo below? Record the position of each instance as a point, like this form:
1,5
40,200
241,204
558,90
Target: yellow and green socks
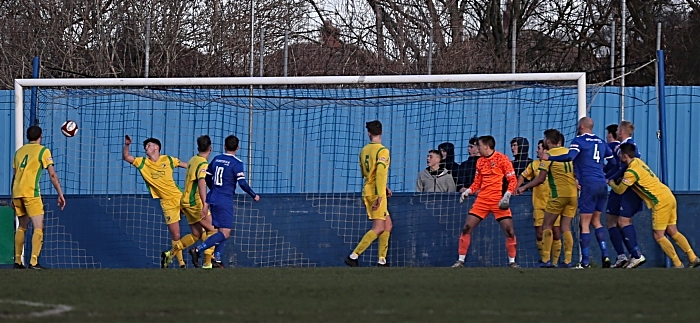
366,241
568,246
19,244
556,251
668,249
37,242
547,240
682,242
383,246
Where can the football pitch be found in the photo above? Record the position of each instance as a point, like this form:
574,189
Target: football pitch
350,295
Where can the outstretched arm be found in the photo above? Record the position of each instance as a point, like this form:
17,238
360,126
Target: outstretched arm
537,181
562,158
126,156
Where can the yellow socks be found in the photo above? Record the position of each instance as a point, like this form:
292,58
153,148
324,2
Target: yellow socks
177,245
668,249
367,240
383,245
183,243
556,251
682,242
540,246
568,246
547,239
208,253
37,242
19,244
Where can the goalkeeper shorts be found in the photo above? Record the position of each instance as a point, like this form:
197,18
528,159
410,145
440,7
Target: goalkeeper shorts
481,210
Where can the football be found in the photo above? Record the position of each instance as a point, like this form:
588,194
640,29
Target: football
69,128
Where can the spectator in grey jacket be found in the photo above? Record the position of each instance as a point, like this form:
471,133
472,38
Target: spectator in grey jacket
435,178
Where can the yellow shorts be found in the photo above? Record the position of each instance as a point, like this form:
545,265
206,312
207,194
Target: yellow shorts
381,213
539,218
171,210
565,206
31,206
664,214
192,213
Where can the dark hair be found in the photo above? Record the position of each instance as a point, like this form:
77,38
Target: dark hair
436,152
33,133
553,135
488,141
231,143
153,140
474,140
628,149
203,143
561,139
540,142
612,129
374,128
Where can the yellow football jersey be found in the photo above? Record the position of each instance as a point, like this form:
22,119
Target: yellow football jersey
540,193
196,170
560,176
645,183
159,176
374,163
29,162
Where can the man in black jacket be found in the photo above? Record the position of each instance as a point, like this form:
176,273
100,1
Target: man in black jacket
447,149
467,170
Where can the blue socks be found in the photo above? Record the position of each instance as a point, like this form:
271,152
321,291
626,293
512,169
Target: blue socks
585,241
218,250
213,240
600,235
616,238
630,235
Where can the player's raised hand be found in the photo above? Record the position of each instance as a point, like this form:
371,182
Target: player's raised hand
544,157
257,198
388,192
376,204
127,140
61,201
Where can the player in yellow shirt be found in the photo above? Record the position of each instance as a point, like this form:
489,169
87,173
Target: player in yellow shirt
563,197
192,204
157,172
540,195
374,164
660,199
29,162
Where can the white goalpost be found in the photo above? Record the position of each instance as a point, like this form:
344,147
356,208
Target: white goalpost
300,139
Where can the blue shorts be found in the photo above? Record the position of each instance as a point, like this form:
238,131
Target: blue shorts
625,205
222,216
593,197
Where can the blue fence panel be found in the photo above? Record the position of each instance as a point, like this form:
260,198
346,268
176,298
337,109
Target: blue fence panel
299,150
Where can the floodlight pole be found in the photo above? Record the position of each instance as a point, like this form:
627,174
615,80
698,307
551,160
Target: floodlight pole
250,97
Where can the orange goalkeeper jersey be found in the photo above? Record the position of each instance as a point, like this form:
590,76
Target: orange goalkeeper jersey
489,176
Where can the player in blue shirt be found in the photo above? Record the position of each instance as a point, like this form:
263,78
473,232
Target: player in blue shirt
621,208
223,173
588,152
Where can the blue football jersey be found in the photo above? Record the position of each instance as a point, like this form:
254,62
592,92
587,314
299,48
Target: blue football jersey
591,153
224,172
617,173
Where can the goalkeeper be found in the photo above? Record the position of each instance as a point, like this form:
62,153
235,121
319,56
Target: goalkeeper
490,170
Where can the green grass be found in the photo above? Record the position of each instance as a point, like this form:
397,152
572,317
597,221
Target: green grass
356,295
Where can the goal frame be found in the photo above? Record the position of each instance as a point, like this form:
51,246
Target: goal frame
20,84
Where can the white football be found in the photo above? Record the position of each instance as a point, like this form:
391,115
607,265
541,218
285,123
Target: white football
69,128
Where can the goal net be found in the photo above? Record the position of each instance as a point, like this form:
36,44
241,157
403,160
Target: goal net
300,140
